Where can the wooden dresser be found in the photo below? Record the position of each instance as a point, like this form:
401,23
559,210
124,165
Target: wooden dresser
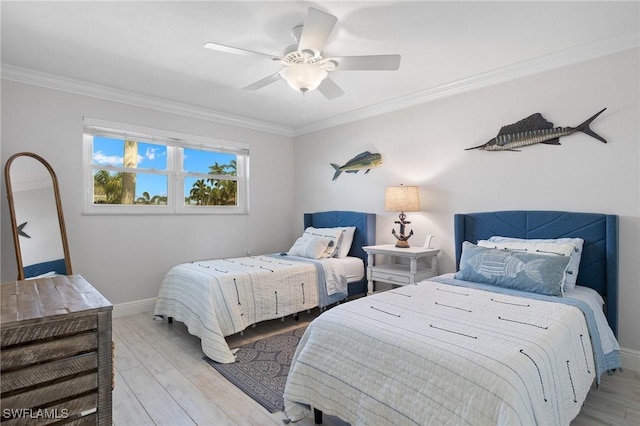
56,352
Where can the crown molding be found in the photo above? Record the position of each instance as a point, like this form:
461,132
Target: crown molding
523,69
501,75
51,81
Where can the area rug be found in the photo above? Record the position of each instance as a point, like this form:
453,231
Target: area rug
261,368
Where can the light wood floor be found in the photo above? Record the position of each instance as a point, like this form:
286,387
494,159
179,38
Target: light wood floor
162,379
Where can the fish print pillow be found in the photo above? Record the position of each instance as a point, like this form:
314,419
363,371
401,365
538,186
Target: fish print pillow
524,271
546,248
576,253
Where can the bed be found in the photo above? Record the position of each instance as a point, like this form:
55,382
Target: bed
220,297
452,351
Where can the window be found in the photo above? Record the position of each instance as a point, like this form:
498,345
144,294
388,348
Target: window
135,170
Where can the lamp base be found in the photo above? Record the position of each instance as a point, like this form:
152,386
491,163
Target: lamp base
402,237
402,244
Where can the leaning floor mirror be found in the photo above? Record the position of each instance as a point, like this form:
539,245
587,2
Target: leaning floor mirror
37,221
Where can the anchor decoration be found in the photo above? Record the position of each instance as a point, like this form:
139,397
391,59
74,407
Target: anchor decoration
402,237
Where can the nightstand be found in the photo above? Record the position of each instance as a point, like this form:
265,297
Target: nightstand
402,267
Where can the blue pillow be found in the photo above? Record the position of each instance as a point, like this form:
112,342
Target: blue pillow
536,273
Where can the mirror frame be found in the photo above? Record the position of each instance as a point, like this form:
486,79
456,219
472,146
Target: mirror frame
12,213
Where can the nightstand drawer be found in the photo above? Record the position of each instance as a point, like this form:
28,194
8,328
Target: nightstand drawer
389,277
401,266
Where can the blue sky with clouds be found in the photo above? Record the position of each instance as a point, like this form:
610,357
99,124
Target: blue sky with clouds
108,151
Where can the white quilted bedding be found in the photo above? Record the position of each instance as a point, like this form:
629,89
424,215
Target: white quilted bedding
436,354
217,298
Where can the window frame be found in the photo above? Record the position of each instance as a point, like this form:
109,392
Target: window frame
175,143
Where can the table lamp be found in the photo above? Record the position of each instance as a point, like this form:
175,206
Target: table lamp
402,199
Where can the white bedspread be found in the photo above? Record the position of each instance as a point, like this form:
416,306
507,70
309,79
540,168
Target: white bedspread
217,298
434,354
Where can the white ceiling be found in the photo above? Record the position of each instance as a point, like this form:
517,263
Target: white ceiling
150,53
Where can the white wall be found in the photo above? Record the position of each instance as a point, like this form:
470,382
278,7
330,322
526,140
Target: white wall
125,257
424,146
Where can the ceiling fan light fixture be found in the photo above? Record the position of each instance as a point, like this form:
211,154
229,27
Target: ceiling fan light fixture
304,77
304,66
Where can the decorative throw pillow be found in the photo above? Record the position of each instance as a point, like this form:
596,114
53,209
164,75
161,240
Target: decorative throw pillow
576,254
517,270
332,234
545,248
309,246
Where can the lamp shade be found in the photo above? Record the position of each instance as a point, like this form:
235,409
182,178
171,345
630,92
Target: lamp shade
304,77
401,199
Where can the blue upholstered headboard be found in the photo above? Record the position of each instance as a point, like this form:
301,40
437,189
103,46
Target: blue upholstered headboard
365,235
599,262
58,266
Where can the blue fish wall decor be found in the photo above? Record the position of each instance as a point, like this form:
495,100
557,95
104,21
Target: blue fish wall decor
365,160
532,130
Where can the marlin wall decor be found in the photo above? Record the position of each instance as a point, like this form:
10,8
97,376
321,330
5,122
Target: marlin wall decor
364,160
532,130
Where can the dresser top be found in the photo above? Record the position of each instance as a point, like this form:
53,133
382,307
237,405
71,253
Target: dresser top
48,297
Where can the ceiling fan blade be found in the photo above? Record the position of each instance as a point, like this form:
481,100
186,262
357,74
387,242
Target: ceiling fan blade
316,30
373,62
330,89
264,82
237,50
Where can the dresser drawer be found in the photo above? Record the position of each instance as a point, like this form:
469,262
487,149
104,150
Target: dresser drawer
390,277
56,363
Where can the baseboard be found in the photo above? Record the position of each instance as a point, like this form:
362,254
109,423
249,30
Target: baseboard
630,359
135,307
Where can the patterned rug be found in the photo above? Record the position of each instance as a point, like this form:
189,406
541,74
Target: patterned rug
261,368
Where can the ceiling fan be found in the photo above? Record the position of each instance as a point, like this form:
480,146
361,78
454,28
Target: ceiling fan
305,68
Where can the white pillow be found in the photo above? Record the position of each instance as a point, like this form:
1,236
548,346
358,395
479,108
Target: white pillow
576,253
345,242
560,249
333,234
309,246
